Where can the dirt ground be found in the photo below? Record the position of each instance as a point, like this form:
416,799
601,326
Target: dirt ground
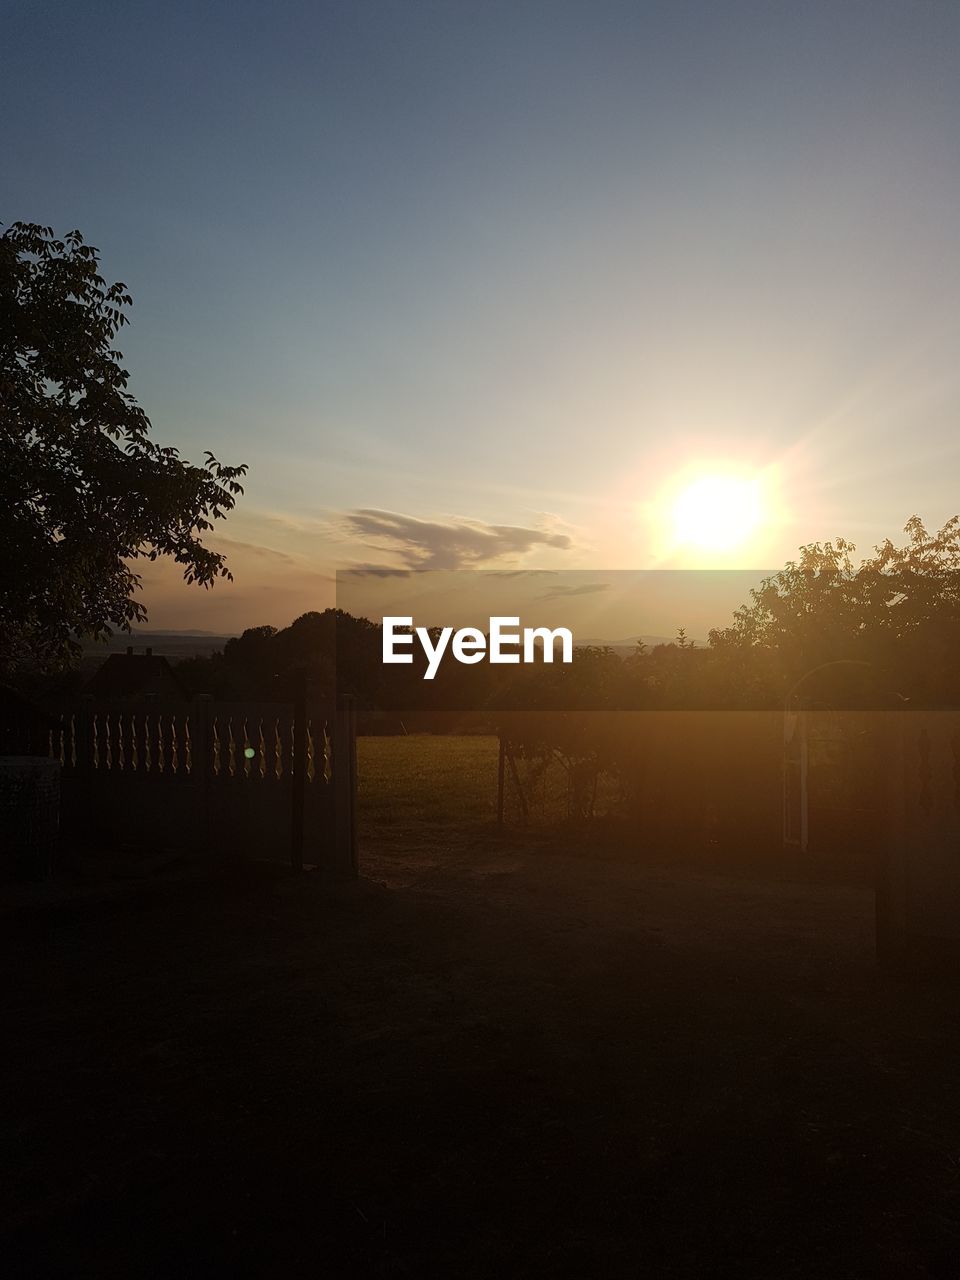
492,1059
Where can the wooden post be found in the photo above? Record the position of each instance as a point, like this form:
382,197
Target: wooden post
515,774
888,893
796,817
298,790
151,734
201,745
346,835
501,763
354,783
201,769
83,735
80,791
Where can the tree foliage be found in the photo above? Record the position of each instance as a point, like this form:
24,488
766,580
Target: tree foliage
855,634
84,490
896,614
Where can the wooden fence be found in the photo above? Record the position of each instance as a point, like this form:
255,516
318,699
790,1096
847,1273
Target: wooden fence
267,780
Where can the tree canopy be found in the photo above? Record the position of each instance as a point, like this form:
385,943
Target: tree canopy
836,632
84,490
896,614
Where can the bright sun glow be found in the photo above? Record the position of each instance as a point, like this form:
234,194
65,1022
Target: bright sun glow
718,512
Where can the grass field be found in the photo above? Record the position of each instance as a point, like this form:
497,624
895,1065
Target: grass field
448,784
424,781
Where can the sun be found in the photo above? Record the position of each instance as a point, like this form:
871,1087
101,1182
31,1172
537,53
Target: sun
717,512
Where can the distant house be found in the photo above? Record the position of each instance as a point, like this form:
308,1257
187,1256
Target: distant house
131,676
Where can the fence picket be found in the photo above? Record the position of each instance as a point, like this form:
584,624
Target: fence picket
175,758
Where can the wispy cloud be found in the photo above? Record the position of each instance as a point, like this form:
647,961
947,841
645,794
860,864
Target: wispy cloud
231,546
447,544
523,573
585,589
374,571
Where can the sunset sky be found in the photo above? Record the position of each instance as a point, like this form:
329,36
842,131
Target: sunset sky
493,284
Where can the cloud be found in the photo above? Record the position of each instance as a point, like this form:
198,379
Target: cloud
585,589
453,544
523,573
231,545
374,571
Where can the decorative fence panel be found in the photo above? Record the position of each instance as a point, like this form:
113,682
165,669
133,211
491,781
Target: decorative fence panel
269,780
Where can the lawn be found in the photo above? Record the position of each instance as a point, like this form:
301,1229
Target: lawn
448,785
425,781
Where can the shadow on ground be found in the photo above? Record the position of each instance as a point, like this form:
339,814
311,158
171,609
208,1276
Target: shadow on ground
505,1061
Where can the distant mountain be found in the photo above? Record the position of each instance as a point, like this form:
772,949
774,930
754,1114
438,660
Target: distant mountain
144,635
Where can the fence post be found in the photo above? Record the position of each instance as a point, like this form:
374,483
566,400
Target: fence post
83,739
501,762
354,783
78,788
298,788
201,765
892,884
515,774
796,815
346,842
201,748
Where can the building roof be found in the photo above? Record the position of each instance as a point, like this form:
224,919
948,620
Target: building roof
135,675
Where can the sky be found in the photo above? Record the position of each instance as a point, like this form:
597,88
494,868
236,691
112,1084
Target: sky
489,285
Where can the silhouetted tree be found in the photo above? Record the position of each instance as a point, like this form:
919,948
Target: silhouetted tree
872,633
896,615
331,651
83,489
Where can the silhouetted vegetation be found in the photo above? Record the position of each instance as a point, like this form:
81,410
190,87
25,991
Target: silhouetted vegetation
879,633
84,490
